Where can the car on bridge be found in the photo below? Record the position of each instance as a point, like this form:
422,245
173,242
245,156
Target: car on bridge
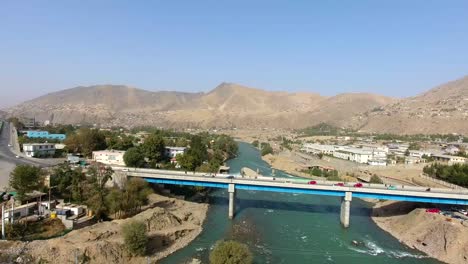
312,182
391,187
339,184
358,185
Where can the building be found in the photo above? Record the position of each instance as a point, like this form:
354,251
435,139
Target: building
449,159
414,160
44,134
318,148
452,150
20,211
172,152
353,154
377,162
109,157
39,149
28,122
419,153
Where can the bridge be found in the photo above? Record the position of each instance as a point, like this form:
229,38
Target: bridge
290,185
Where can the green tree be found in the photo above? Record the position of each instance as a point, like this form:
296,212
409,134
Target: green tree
266,149
135,238
134,157
85,141
153,148
255,143
231,252
375,179
25,179
98,177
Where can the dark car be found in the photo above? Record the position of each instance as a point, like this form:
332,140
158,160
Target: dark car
358,185
312,182
230,177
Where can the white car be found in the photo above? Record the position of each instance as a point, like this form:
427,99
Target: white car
10,145
17,156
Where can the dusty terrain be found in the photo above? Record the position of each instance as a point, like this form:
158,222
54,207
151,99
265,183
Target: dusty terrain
229,105
171,225
434,234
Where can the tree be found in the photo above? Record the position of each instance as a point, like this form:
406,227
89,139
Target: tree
25,179
98,177
375,179
255,143
134,157
231,252
153,148
85,141
135,238
266,148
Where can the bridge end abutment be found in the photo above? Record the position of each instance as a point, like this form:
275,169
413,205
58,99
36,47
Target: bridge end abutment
345,209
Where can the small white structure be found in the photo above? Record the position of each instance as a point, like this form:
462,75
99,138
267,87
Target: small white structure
171,152
354,154
39,149
20,211
377,162
318,148
74,208
419,153
109,157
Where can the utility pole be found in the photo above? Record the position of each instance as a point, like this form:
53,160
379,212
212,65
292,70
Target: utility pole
12,210
3,221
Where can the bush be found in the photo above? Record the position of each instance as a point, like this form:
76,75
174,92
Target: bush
231,252
135,238
375,179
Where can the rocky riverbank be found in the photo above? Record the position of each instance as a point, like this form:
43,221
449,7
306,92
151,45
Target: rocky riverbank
171,225
438,236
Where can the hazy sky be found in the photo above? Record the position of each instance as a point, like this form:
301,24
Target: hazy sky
397,48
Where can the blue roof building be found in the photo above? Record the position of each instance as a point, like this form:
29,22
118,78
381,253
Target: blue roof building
45,134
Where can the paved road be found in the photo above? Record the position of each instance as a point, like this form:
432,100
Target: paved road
8,160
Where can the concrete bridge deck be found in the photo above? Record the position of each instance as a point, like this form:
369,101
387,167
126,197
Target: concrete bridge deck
287,185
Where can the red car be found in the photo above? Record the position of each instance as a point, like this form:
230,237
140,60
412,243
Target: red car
339,184
433,210
358,185
312,182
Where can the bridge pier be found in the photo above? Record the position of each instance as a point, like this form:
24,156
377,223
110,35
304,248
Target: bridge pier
345,208
232,200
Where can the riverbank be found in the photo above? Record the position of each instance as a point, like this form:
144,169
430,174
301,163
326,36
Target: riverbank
171,223
442,238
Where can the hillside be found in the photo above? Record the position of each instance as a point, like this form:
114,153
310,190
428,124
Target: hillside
443,109
228,105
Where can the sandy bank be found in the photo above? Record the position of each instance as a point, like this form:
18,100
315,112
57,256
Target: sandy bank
171,225
439,237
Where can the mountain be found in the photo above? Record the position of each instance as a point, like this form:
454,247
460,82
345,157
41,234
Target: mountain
228,105
443,109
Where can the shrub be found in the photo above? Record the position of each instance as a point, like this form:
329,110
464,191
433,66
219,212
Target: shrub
135,238
231,252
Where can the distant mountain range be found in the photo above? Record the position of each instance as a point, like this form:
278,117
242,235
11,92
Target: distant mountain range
443,109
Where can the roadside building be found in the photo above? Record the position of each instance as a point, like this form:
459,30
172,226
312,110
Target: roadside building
109,157
20,211
39,149
451,150
44,134
414,160
449,159
172,152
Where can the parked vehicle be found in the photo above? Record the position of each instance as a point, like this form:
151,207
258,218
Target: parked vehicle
312,182
433,210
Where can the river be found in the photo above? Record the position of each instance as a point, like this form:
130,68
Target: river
290,228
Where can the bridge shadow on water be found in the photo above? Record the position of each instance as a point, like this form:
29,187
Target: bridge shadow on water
242,204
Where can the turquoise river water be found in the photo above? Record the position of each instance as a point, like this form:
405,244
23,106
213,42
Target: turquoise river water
290,228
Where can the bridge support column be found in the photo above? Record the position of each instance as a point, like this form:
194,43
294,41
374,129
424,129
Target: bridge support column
345,208
232,200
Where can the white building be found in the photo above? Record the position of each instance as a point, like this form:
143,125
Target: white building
419,153
354,154
39,149
20,211
449,159
171,152
377,162
109,157
318,148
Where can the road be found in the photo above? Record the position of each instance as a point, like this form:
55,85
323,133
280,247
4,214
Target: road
8,160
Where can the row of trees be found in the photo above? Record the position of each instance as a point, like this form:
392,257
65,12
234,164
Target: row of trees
456,174
90,188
